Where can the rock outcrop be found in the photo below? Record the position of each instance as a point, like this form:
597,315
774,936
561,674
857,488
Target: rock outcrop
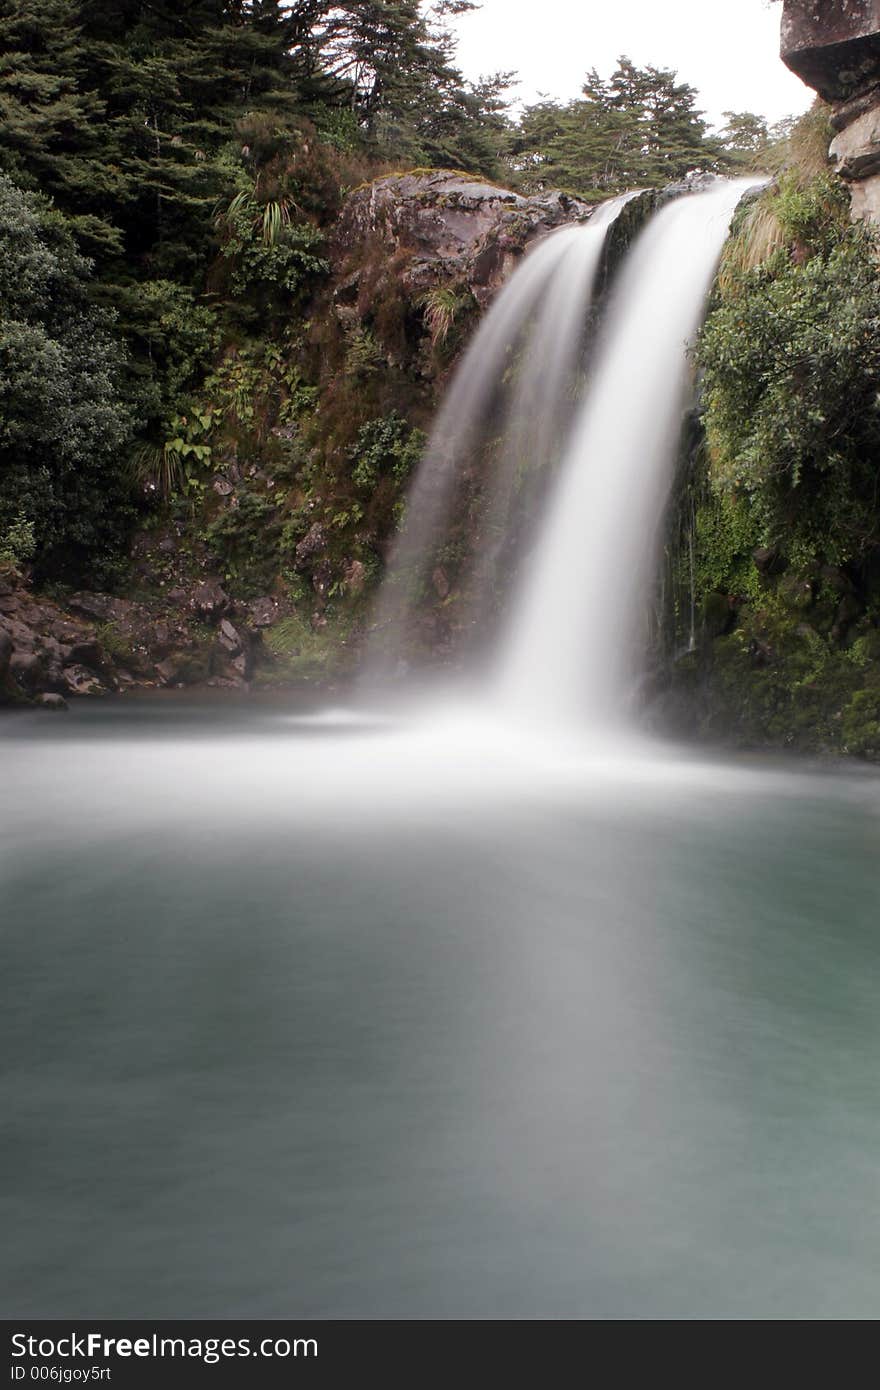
96,644
442,227
834,46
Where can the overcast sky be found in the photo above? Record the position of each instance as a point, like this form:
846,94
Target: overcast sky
727,49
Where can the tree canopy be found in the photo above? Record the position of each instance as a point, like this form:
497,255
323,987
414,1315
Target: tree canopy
639,128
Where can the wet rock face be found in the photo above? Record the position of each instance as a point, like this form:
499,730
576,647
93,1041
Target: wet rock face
446,227
834,46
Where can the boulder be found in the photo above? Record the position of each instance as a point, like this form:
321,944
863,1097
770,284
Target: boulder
311,545
833,45
99,643
856,150
229,639
184,668
27,670
209,601
262,612
80,681
439,228
355,574
226,683
768,560
52,701
102,607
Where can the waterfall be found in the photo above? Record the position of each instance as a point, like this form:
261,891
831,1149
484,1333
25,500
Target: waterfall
571,649
515,384
592,460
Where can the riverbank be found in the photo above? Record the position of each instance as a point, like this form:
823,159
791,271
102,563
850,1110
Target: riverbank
187,636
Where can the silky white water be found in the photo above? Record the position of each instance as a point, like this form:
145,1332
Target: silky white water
573,642
305,1019
533,334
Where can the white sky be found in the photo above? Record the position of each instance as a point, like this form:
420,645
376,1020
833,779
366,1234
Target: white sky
727,49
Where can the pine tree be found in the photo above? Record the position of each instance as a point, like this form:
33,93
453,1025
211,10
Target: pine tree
392,63
640,128
746,139
53,119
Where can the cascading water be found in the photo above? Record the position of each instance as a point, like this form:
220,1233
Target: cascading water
571,648
429,1009
545,397
541,314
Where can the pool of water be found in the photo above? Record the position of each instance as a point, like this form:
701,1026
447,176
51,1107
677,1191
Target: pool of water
320,1016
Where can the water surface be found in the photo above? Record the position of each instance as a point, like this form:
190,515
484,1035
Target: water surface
312,1018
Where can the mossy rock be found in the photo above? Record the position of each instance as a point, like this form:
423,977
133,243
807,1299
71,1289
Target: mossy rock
716,614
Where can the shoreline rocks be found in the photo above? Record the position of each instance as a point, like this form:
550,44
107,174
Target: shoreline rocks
95,644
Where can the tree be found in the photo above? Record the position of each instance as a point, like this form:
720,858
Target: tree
64,422
745,139
391,62
640,128
54,134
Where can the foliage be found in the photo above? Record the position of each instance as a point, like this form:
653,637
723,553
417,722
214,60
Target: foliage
391,62
638,129
300,653
363,354
791,357
784,549
268,251
746,140
64,423
245,539
176,332
389,447
18,544
442,307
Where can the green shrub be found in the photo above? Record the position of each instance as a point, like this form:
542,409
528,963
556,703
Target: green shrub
246,539
386,448
65,425
179,334
267,250
17,544
791,357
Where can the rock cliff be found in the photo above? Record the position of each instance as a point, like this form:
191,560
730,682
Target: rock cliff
447,227
834,46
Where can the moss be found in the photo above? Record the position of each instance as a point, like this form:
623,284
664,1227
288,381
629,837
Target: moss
776,681
195,666
297,653
860,724
114,642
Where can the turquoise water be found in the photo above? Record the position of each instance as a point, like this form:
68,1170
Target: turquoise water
322,1020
